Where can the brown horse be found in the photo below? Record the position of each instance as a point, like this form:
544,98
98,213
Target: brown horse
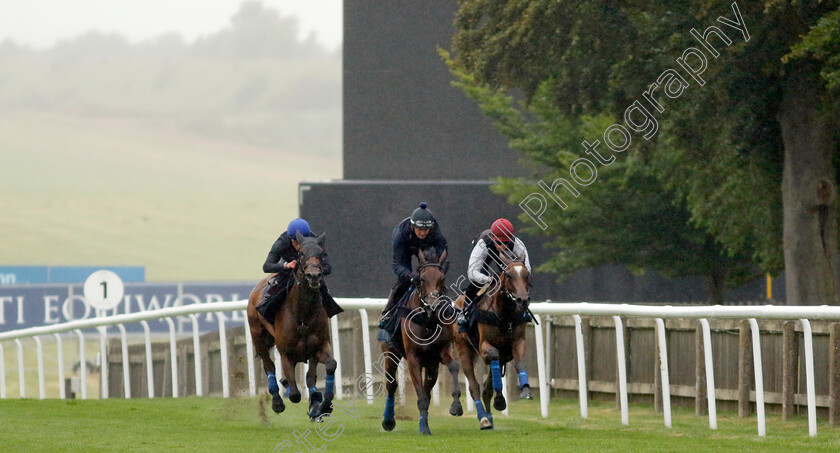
300,330
502,315
427,341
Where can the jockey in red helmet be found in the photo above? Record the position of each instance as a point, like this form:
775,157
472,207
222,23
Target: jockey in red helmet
485,262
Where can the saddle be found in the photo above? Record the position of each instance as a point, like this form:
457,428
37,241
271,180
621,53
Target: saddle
278,288
387,333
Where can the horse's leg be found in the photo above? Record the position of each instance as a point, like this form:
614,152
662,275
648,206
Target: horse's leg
391,383
325,356
429,380
315,397
491,356
519,363
257,334
416,372
289,373
468,364
488,391
452,364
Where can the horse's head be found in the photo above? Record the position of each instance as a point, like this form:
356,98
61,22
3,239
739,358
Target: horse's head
431,283
310,259
514,282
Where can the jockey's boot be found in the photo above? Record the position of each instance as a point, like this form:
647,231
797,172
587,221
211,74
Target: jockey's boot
463,316
264,305
388,312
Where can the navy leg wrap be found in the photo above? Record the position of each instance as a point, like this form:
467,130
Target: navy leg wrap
389,408
273,388
496,371
329,387
523,379
479,410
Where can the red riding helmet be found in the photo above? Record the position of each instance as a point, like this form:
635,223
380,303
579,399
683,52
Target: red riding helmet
502,230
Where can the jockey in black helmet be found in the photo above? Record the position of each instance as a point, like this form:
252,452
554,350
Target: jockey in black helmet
413,233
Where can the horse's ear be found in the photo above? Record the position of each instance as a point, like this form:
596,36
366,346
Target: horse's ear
321,239
298,237
421,257
443,257
521,257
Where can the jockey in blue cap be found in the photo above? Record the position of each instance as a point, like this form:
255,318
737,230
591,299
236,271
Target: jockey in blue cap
282,260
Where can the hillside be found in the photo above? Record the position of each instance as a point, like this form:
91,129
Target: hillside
181,158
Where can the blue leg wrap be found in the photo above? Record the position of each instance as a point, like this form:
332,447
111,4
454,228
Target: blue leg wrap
389,408
329,387
480,412
496,371
312,390
523,379
273,388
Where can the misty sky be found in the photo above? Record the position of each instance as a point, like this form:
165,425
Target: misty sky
40,23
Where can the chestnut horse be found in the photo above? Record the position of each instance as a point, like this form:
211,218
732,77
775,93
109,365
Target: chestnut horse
300,330
502,315
427,341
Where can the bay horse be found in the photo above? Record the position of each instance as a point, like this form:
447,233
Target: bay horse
300,330
502,313
426,340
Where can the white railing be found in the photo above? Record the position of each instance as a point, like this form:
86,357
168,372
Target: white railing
575,310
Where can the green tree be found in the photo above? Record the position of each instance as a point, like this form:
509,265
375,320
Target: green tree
627,218
733,107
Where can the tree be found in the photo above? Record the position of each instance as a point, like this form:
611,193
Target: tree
732,110
627,218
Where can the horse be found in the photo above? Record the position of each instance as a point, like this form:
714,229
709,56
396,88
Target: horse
300,331
427,341
502,315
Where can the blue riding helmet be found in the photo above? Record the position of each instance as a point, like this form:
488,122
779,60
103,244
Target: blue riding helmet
298,226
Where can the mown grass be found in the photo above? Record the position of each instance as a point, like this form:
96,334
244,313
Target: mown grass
242,424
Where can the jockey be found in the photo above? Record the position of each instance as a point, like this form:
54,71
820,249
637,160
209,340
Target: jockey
413,233
486,264
282,260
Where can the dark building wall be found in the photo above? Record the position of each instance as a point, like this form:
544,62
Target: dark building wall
358,217
402,118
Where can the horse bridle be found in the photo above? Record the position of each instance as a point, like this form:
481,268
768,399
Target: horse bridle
419,288
510,296
303,268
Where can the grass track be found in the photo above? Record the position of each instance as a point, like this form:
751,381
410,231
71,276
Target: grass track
220,425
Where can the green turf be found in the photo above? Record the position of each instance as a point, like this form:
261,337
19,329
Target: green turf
220,425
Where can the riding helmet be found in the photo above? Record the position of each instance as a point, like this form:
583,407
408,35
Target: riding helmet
297,226
502,230
422,218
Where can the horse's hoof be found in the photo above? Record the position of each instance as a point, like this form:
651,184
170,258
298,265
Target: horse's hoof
499,403
277,404
388,425
526,393
294,397
486,423
315,400
326,408
456,410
